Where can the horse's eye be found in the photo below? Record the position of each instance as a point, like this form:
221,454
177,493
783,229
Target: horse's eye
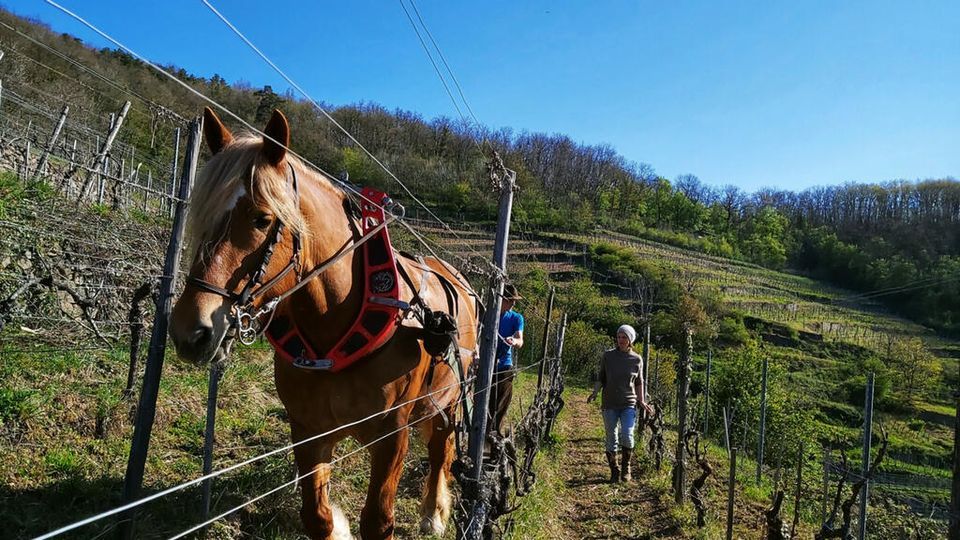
262,221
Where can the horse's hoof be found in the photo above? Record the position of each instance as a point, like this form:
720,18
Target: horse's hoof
432,525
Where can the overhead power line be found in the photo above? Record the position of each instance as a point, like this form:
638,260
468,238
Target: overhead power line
442,59
316,104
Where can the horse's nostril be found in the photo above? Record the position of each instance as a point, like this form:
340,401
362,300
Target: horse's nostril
201,334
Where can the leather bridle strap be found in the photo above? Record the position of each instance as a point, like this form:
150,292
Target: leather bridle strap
343,252
248,294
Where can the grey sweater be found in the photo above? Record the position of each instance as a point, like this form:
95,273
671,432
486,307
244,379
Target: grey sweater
619,377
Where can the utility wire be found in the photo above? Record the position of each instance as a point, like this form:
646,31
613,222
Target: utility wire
317,468
225,470
909,286
337,124
205,98
443,81
349,188
444,60
298,478
93,72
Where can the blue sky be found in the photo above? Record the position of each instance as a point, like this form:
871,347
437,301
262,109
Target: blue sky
785,94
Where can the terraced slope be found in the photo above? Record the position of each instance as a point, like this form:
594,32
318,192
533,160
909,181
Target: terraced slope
813,330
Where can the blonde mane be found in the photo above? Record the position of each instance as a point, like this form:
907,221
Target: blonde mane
239,166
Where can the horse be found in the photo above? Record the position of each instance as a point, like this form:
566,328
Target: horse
259,219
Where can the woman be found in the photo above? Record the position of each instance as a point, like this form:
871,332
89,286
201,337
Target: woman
622,382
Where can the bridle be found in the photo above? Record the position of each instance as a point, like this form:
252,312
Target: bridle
245,321
243,301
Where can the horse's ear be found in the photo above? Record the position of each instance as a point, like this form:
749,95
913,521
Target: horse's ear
214,131
279,130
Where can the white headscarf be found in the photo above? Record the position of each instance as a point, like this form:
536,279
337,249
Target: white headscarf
628,331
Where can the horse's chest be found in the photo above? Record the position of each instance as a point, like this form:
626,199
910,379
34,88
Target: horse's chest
324,403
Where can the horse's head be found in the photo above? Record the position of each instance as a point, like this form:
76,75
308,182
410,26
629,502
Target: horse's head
244,216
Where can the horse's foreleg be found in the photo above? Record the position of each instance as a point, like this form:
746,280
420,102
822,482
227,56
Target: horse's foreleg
376,519
435,506
321,520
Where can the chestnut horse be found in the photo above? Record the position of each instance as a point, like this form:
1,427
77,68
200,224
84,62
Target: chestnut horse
242,195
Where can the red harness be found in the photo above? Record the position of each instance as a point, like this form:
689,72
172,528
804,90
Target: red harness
379,313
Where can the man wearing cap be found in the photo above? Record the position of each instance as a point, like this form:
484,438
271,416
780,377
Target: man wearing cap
510,336
622,383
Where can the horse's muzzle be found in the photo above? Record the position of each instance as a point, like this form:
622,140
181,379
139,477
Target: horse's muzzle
194,345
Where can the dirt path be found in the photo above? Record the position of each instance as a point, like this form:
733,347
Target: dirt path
593,508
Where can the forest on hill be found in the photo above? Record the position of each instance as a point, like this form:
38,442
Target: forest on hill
895,241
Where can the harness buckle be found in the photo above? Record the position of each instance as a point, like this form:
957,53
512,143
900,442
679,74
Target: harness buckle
394,208
248,325
400,304
319,364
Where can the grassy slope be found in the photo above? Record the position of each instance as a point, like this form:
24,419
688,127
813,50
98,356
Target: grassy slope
66,426
791,303
59,461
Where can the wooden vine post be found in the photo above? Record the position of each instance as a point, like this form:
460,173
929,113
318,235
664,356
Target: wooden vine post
52,143
147,408
683,391
955,484
867,436
546,335
488,348
763,419
731,491
100,160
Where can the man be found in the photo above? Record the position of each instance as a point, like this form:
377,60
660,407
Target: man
510,336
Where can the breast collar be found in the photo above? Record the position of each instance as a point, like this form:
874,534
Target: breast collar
380,310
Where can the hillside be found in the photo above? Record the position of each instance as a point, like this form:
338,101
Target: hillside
84,231
48,457
895,236
820,341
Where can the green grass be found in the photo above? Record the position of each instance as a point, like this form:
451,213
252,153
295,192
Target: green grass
537,517
15,404
67,427
100,209
148,218
64,424
817,370
52,405
63,462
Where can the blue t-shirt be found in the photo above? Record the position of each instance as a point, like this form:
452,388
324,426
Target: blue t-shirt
511,322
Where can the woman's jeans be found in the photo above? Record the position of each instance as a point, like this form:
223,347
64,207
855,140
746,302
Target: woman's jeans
622,422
